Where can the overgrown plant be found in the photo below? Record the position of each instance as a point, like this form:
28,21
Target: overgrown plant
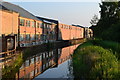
94,62
10,71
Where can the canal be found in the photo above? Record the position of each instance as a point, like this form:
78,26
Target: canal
56,63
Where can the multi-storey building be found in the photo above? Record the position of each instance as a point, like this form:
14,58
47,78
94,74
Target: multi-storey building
20,28
69,32
49,29
28,27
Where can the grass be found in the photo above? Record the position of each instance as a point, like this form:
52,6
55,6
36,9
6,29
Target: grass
114,46
98,59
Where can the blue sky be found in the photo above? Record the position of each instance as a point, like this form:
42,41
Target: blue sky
66,12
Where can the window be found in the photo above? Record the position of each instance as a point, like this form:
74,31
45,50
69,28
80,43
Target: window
33,24
66,27
38,25
37,59
27,23
45,25
27,36
37,36
33,37
22,22
69,27
32,60
41,25
21,37
26,63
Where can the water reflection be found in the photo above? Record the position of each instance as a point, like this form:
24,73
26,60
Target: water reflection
54,64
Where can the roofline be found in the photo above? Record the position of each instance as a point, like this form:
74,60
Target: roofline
50,20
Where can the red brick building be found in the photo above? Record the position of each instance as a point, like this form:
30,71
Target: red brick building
27,30
68,32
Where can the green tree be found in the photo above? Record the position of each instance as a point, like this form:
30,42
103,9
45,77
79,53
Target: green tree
94,20
109,15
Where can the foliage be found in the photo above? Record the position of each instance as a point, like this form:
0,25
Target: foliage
10,71
94,62
94,20
114,46
112,33
108,25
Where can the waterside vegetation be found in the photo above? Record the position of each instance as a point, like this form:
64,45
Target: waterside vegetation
96,60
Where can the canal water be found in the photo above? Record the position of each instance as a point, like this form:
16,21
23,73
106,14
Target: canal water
56,63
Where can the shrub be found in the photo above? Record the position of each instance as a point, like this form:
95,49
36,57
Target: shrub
114,46
94,62
10,71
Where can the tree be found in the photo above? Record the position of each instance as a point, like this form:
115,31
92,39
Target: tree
94,20
110,12
109,15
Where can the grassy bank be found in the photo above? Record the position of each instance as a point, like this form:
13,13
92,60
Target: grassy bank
97,59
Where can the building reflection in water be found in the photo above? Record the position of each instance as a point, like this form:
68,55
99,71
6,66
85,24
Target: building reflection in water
38,63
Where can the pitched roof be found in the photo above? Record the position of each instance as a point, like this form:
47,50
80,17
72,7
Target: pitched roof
20,10
2,7
48,20
78,26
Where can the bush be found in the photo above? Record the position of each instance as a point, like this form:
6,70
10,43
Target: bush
10,71
94,62
112,33
114,46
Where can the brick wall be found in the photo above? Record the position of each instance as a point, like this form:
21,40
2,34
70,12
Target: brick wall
68,32
9,22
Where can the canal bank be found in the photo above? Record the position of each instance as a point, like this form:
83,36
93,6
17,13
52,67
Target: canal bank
97,59
31,51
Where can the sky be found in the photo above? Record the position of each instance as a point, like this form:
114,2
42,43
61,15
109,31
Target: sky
67,12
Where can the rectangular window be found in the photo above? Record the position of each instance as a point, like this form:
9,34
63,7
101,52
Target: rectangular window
37,36
42,37
22,22
33,37
32,61
27,37
21,37
69,27
27,23
38,25
33,24
45,25
26,63
41,25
